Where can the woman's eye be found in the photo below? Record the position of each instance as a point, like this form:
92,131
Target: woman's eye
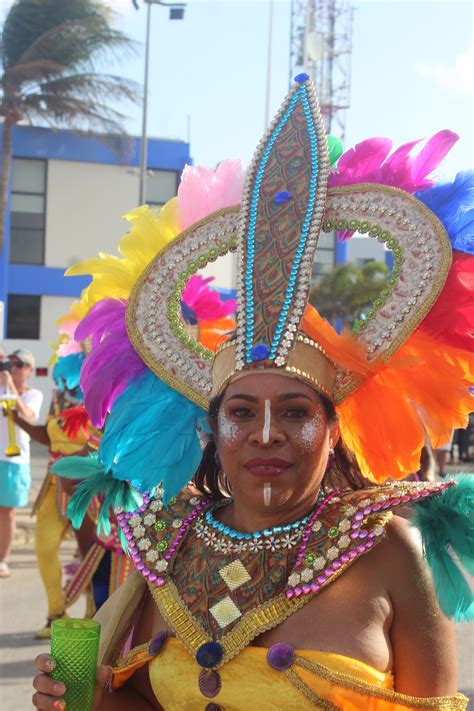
242,413
295,413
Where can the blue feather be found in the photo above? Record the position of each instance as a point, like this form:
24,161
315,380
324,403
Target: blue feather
150,437
453,204
446,523
67,372
95,481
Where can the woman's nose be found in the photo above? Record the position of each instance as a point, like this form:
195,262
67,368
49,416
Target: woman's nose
266,431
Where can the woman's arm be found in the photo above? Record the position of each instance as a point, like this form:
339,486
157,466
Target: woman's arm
423,640
37,432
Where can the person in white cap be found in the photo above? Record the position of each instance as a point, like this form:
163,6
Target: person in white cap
15,475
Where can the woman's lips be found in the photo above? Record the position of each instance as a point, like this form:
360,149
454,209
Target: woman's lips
267,467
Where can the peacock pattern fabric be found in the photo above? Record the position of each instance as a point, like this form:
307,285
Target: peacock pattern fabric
154,363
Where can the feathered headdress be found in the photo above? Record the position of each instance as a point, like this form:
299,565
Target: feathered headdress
151,373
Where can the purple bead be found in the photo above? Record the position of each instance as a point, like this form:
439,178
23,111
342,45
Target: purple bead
209,683
352,554
336,565
298,591
280,656
361,548
156,644
289,594
153,578
367,510
359,516
182,529
345,557
260,352
363,533
301,78
136,558
314,587
328,573
213,707
306,589
282,197
321,579
168,556
160,582
140,565
146,572
376,507
306,538
355,535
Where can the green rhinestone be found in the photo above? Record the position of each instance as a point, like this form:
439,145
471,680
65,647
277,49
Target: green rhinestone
185,275
392,281
375,230
202,260
384,236
391,242
341,224
364,226
223,248
160,526
370,313
354,224
378,303
309,558
192,267
162,546
396,271
213,254
333,532
385,293
327,227
172,500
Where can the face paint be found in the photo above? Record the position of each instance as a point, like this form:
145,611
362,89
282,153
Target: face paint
227,429
266,423
309,432
267,493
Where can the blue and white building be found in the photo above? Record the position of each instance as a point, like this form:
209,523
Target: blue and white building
66,198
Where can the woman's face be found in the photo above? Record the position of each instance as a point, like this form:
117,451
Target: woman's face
273,440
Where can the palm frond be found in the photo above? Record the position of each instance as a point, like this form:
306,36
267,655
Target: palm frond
92,86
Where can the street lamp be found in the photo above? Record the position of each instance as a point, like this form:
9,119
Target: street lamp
176,13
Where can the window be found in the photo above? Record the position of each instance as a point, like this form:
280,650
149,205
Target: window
23,316
27,217
161,186
325,256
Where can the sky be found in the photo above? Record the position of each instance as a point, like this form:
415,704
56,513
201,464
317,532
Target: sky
412,69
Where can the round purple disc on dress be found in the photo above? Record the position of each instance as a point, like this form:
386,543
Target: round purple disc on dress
213,707
209,683
209,654
280,656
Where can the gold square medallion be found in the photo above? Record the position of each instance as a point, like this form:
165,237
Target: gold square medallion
225,612
234,575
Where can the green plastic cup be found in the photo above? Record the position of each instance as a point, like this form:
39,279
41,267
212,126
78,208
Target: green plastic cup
75,647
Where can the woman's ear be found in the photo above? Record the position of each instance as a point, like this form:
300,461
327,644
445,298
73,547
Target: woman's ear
334,433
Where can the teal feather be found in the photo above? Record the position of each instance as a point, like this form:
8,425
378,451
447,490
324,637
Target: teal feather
94,482
150,437
446,523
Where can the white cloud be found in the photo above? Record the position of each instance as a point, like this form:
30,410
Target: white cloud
457,76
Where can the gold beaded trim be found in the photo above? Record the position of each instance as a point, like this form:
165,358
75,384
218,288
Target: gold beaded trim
311,695
309,342
301,374
459,701
254,622
128,658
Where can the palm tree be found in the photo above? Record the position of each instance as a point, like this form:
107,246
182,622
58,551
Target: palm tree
50,51
348,290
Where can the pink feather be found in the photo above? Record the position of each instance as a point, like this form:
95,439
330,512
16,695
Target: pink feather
431,156
112,362
365,158
205,302
203,191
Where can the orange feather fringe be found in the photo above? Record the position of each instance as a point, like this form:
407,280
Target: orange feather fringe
422,391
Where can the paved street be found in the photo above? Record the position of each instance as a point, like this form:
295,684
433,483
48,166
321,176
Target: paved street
23,609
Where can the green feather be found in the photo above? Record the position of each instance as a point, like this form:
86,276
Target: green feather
446,524
95,482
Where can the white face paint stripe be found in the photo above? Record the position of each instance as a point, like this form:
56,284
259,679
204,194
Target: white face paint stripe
266,423
267,493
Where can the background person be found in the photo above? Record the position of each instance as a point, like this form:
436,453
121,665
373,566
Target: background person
15,475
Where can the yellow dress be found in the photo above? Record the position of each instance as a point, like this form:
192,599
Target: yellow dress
315,680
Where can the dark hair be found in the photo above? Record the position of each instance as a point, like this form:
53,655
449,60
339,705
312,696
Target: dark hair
211,481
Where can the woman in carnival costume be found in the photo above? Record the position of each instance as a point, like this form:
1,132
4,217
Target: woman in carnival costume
288,582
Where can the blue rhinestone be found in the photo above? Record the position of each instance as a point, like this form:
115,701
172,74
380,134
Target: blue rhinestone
256,534
301,78
260,352
240,536
226,530
287,529
280,656
248,536
209,655
282,197
232,534
267,532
